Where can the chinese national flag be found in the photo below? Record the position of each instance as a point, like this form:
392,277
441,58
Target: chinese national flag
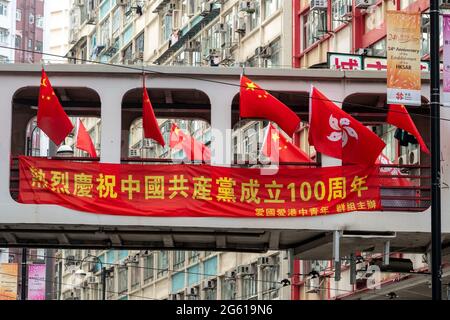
279,149
84,141
51,118
150,124
337,134
193,149
258,103
399,117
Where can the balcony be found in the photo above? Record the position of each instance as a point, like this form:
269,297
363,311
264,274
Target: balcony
188,33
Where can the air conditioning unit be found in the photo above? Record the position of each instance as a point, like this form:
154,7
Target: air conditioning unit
209,284
91,17
171,6
240,25
247,6
135,153
191,292
205,8
92,280
70,260
444,4
312,285
318,5
414,157
192,46
122,2
264,261
230,275
364,4
220,28
173,296
263,52
244,270
364,51
79,3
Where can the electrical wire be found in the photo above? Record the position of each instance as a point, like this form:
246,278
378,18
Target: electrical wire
142,70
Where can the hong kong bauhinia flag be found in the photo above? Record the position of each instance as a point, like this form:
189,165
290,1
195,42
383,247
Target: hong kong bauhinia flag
194,150
279,149
84,141
149,122
51,118
337,134
259,104
398,116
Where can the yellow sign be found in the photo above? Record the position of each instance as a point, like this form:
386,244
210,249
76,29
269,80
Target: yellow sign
8,281
403,58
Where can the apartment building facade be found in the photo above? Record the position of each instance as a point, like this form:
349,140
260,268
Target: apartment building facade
29,37
7,30
189,32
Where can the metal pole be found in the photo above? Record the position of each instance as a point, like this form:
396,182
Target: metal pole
103,283
23,287
436,286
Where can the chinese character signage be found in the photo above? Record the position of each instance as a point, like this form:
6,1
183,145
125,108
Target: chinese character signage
198,190
8,281
36,282
446,55
403,56
345,62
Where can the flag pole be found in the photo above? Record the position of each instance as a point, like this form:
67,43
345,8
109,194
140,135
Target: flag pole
436,281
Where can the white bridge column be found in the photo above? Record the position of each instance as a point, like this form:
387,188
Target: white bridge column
221,98
111,115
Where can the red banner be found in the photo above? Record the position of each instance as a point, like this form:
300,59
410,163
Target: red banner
198,190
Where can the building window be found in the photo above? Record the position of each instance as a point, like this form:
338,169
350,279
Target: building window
249,290
135,275
148,268
193,256
18,15
30,44
40,22
314,26
123,280
4,34
379,48
38,46
139,44
3,8
116,20
178,259
110,290
18,41
228,288
128,54
31,19
254,18
270,7
274,59
340,11
163,263
167,27
270,274
211,290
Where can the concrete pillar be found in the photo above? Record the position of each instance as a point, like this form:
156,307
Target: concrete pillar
111,114
221,98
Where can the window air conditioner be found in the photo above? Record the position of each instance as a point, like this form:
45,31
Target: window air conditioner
220,28
364,4
318,5
312,285
92,280
244,270
205,8
209,284
192,46
189,292
247,6
240,25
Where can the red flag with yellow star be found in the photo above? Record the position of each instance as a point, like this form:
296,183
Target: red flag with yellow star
51,118
149,122
193,149
258,103
279,149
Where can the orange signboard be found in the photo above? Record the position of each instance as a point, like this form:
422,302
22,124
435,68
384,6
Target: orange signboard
8,281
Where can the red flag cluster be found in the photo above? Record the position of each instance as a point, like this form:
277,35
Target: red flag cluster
332,131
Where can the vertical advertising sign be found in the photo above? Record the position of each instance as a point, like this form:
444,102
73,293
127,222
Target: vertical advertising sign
36,282
403,58
8,281
446,54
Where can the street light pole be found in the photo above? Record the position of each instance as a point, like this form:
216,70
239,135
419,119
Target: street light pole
436,285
